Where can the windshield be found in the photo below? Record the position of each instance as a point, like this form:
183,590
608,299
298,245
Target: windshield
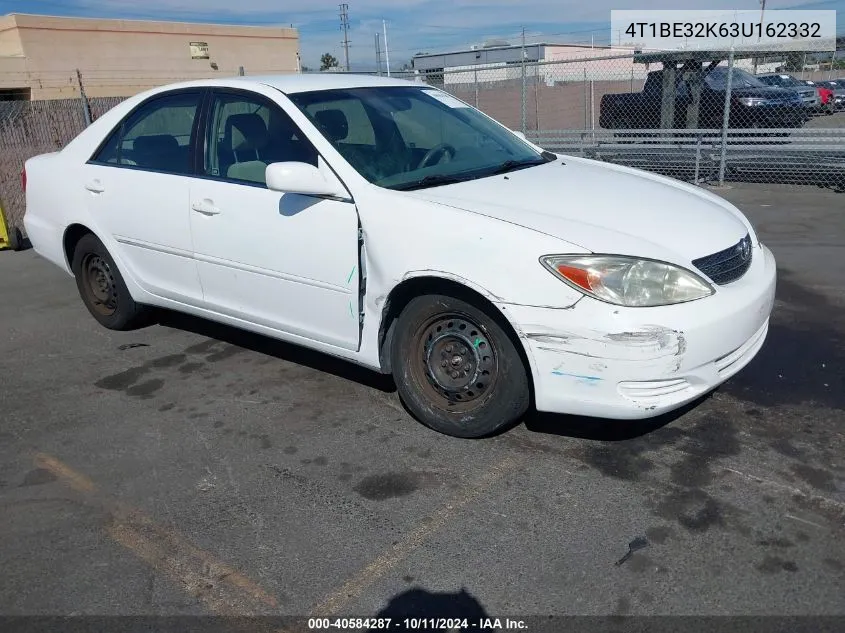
784,81
409,138
717,79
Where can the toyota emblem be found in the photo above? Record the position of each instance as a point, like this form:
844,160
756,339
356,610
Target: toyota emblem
744,250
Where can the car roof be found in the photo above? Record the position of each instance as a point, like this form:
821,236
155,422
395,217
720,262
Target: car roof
294,82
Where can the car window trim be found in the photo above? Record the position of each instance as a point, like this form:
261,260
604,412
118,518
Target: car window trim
119,129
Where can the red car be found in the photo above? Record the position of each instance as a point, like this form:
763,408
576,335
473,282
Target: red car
826,98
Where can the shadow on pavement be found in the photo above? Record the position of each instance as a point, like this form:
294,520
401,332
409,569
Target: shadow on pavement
421,604
603,429
278,349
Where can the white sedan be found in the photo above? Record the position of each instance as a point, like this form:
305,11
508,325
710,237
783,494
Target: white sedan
391,224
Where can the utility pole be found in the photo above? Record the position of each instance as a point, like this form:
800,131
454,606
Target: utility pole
378,52
344,26
386,47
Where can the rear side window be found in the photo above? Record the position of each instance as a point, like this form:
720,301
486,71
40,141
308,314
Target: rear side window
156,136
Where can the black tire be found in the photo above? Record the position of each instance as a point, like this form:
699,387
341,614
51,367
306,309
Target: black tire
16,242
102,288
483,387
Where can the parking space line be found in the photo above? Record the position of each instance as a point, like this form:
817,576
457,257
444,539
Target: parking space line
823,501
75,480
352,588
221,588
224,590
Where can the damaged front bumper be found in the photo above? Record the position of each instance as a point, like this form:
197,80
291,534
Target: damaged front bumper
602,360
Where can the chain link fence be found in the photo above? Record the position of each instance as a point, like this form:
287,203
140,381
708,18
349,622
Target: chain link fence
29,128
712,122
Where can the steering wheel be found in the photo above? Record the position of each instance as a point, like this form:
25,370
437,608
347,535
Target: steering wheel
437,152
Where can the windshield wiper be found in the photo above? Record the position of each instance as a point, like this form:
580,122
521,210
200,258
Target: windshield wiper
513,165
429,181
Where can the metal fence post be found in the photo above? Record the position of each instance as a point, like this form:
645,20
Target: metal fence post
726,119
586,103
86,107
524,88
475,81
697,158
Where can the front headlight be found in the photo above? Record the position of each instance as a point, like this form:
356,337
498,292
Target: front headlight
753,101
628,281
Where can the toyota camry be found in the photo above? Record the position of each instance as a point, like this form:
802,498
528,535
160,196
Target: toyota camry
391,224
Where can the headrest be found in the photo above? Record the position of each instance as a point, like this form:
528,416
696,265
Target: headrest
156,144
246,131
333,124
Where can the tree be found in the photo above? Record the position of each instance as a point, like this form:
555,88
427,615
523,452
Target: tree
328,61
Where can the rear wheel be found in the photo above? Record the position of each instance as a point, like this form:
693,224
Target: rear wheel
16,241
456,369
102,288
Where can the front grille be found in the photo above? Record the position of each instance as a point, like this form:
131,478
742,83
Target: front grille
727,265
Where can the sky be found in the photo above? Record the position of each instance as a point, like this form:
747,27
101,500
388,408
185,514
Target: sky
413,25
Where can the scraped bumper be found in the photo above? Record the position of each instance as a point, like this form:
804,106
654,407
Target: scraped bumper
601,360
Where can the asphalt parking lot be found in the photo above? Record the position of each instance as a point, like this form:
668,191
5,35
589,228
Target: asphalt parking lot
188,468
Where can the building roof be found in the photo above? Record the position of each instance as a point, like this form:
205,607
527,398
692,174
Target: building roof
500,47
64,23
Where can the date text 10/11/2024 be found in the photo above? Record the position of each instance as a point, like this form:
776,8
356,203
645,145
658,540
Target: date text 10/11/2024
432,624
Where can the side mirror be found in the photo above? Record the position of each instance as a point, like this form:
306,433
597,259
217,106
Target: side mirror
301,178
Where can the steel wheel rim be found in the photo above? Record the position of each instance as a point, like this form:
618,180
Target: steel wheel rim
455,362
99,283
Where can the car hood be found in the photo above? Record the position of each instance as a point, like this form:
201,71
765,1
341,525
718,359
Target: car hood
769,92
603,208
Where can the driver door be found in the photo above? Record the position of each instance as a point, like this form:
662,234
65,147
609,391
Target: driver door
284,261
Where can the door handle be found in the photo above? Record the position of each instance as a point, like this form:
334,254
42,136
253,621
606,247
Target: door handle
95,186
206,207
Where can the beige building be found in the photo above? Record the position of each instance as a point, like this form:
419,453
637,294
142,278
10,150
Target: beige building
40,55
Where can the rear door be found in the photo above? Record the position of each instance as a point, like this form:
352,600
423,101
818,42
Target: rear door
282,260
138,185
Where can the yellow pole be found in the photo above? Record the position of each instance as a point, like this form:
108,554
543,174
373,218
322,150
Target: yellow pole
8,239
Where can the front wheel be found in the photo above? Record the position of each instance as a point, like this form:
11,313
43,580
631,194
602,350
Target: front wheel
456,369
102,288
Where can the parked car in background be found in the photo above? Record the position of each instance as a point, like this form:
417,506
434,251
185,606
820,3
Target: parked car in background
837,86
390,224
809,94
826,94
753,104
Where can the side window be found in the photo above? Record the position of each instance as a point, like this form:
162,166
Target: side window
157,136
246,134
